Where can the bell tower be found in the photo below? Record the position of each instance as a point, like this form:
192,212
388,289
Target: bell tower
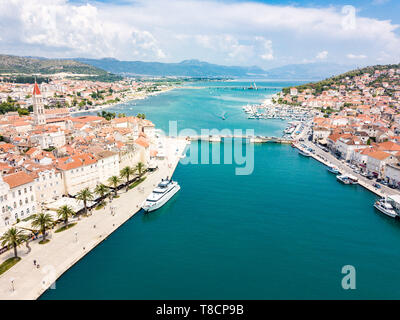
38,106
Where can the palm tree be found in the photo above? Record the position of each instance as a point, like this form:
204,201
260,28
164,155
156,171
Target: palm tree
14,238
101,190
114,181
42,221
65,212
85,195
126,173
139,167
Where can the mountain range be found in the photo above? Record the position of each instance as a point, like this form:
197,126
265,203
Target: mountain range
196,68
109,69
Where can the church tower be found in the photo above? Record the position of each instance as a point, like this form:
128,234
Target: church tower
38,107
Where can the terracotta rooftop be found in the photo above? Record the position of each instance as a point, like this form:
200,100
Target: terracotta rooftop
17,179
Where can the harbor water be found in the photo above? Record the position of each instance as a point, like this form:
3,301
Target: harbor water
283,232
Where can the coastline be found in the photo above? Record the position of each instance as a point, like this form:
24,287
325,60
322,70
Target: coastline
66,248
138,97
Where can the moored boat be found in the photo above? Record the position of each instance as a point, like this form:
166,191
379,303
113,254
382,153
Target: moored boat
304,153
165,190
347,179
333,169
384,206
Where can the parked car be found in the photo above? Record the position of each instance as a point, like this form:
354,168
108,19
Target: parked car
376,186
370,177
392,186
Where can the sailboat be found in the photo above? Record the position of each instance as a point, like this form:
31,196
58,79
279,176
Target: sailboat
253,86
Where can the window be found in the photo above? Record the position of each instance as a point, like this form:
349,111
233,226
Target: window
15,204
25,191
26,200
30,188
19,192
20,202
22,213
27,211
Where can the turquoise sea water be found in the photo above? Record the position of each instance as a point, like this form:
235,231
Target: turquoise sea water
284,232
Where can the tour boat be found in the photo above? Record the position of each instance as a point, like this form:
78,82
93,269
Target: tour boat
165,190
385,207
333,169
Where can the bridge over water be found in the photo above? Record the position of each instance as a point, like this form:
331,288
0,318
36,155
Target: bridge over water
250,139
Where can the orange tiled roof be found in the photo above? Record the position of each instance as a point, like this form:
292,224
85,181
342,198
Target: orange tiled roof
17,179
379,155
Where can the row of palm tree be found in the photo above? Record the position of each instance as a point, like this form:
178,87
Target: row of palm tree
126,173
44,221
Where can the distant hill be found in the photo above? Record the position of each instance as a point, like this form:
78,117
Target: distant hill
28,65
308,71
187,68
329,82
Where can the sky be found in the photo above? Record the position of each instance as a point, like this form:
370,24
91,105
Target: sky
230,32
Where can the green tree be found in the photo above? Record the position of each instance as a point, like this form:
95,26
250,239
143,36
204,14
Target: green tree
114,181
13,238
42,221
85,195
127,172
65,212
101,190
139,167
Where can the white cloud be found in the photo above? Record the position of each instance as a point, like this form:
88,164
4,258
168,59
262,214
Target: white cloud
216,31
322,55
75,29
266,45
355,56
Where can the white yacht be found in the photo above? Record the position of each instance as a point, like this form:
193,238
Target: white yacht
160,195
385,207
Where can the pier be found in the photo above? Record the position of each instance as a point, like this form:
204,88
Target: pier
248,139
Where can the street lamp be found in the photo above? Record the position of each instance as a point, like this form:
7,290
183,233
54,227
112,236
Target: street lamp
76,236
12,284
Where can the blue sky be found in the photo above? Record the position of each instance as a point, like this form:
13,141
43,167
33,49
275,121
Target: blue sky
231,32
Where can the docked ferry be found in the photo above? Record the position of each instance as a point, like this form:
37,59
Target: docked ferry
165,190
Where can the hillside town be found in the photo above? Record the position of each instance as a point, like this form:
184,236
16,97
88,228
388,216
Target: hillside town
358,121
49,155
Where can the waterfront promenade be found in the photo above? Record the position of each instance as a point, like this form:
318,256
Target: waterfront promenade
68,247
329,160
